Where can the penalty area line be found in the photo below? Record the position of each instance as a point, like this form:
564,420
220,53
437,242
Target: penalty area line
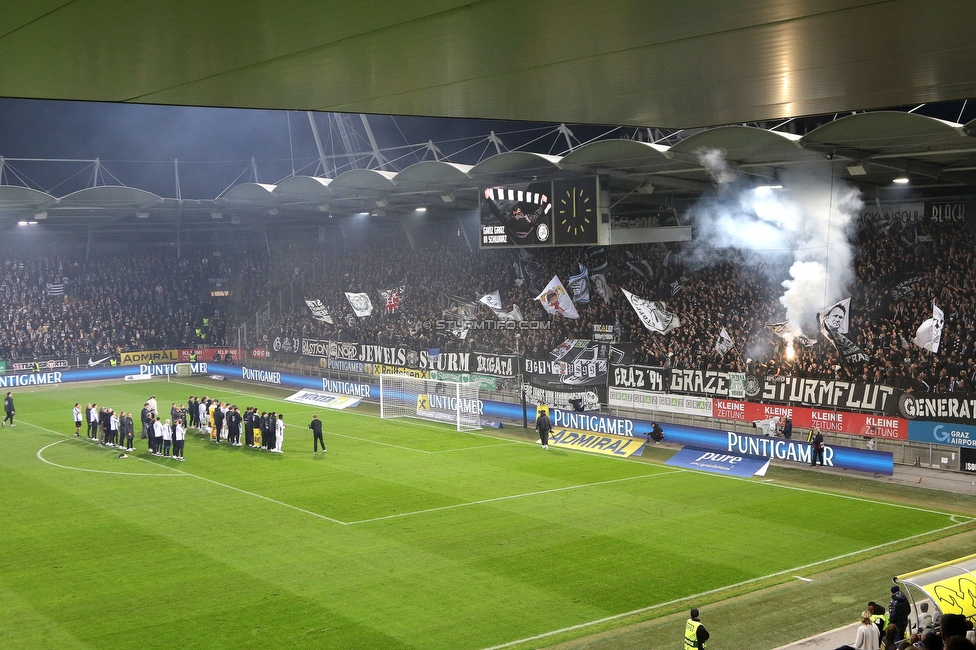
710,592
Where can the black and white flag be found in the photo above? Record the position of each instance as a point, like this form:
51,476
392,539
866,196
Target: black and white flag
460,313
851,354
654,315
836,317
55,289
319,312
494,302
579,284
724,343
641,267
601,286
929,334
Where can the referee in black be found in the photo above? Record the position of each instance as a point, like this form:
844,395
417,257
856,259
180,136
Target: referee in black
316,427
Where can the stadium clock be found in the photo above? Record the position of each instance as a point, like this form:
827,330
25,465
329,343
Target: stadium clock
575,213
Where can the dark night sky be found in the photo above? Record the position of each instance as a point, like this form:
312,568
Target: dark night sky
138,143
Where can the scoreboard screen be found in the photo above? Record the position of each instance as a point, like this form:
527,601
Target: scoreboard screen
531,215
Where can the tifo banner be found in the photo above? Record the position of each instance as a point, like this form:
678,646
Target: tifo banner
600,443
576,362
561,399
945,407
711,383
830,393
483,382
719,462
482,363
328,400
149,356
50,364
681,404
862,424
636,377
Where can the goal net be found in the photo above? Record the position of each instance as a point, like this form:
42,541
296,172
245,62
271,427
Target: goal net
180,370
402,396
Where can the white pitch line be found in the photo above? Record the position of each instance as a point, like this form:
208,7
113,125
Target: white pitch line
85,469
500,444
512,496
253,494
710,592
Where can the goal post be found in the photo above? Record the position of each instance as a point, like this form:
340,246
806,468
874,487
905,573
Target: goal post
403,396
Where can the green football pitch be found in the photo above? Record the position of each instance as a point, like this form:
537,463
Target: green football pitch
406,534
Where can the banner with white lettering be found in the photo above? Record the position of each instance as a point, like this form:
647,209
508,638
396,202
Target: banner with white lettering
562,399
576,362
943,407
358,355
646,378
663,402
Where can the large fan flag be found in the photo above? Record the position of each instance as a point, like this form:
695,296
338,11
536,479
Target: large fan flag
360,304
654,315
494,302
837,317
319,312
579,284
393,298
724,342
556,301
929,334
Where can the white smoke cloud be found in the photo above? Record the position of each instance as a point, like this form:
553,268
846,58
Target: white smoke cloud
805,226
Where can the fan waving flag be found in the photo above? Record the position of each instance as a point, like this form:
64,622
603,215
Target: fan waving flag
319,312
494,302
654,315
393,298
836,317
724,343
602,288
579,284
556,301
929,334
360,304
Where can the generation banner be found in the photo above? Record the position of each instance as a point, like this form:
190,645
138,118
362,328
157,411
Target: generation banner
945,407
576,362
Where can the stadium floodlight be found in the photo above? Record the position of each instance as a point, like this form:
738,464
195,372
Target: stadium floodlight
381,203
901,180
420,208
216,215
323,207
403,396
857,170
40,216
448,198
142,215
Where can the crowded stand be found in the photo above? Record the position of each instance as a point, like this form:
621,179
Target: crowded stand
59,304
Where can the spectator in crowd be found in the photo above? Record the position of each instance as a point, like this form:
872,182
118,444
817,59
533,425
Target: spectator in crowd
898,612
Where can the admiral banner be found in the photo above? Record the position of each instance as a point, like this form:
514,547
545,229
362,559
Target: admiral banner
680,404
149,356
496,365
599,443
945,407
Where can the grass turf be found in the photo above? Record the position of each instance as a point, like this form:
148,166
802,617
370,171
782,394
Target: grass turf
405,535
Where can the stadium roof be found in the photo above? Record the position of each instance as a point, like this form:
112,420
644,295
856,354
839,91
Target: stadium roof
668,63
754,67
